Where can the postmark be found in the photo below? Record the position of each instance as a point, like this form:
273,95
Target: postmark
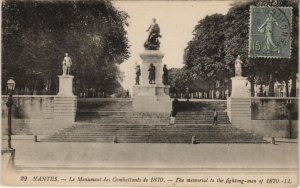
270,32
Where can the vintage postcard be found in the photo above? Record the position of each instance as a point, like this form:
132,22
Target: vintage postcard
149,93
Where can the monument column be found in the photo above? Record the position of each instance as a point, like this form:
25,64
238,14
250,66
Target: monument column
65,102
152,97
239,103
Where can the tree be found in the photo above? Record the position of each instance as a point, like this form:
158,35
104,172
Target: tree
179,79
204,55
36,35
218,40
237,31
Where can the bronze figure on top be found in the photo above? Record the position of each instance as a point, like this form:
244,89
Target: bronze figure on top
152,42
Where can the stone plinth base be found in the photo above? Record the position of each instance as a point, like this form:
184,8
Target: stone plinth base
240,87
152,98
65,108
151,57
239,110
65,85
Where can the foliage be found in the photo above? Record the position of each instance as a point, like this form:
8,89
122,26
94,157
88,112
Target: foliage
265,70
179,80
37,34
218,40
204,55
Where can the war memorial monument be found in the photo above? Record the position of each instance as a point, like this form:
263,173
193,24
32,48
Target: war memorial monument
221,120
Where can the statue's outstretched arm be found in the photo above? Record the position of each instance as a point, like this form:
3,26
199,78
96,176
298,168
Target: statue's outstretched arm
148,28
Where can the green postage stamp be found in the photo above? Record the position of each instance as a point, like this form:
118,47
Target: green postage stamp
270,32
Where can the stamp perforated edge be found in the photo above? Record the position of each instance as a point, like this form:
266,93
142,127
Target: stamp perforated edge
250,33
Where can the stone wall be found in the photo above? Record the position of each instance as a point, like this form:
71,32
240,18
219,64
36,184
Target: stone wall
240,114
36,114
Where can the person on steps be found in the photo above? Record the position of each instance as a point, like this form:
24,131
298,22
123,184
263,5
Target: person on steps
215,122
174,111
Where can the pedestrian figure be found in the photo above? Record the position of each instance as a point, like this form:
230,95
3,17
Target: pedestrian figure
187,94
175,105
127,93
215,122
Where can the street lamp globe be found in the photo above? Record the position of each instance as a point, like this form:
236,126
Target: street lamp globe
11,84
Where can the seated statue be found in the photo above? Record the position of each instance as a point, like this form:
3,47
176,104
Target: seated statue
152,42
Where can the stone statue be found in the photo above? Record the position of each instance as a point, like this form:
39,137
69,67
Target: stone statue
138,74
67,63
152,42
238,66
151,74
165,75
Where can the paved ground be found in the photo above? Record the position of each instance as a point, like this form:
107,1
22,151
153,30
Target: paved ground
43,154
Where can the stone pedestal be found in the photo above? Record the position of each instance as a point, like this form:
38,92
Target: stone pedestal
240,87
151,97
238,104
65,103
65,85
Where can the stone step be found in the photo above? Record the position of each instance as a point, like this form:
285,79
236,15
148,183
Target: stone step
163,127
149,117
104,104
155,138
159,141
153,122
153,134
167,141
101,120
157,131
167,128
121,112
171,137
149,129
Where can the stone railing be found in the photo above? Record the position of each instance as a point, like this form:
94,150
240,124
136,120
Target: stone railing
266,116
39,114
266,108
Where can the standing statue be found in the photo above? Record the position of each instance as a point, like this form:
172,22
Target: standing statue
267,28
238,66
151,74
138,74
165,75
67,63
152,42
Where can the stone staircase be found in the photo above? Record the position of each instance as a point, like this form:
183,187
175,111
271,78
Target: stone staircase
93,132
111,120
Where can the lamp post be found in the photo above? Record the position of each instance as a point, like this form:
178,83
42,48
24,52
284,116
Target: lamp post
289,108
10,87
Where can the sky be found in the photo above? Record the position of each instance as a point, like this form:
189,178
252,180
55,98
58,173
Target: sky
176,20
